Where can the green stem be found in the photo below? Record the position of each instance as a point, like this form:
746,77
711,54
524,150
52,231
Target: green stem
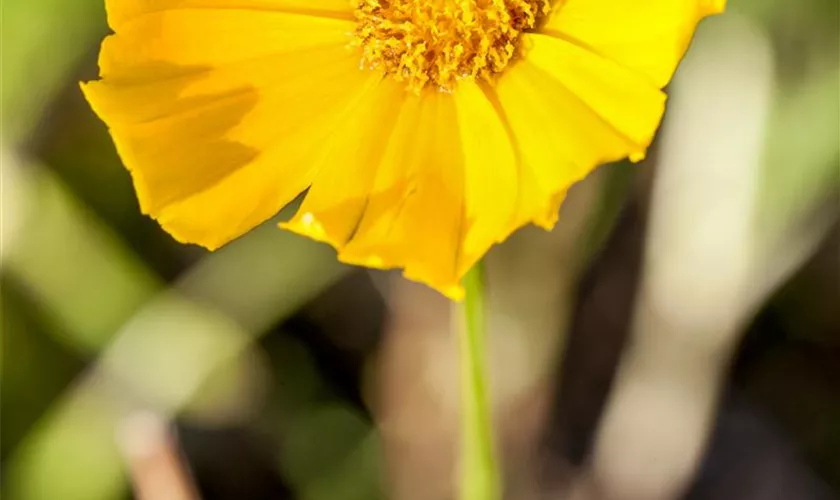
479,472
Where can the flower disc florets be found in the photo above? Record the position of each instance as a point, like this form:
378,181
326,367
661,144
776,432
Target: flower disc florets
437,42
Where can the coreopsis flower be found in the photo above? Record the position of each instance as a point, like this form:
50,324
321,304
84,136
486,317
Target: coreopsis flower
423,131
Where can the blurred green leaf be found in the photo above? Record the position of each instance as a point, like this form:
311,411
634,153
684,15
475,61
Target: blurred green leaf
802,159
77,268
71,454
42,42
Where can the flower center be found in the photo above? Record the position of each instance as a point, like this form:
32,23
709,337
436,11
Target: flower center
438,42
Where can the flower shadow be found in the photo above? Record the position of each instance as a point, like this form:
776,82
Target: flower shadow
174,138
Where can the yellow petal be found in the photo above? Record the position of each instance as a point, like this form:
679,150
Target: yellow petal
570,110
171,43
347,165
220,140
121,11
429,189
647,36
429,227
392,182
405,209
491,175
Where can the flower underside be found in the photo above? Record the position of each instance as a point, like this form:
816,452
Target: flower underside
438,42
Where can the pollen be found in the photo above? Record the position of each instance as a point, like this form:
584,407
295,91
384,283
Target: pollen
436,43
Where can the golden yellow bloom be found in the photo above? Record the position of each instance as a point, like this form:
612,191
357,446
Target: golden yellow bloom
424,130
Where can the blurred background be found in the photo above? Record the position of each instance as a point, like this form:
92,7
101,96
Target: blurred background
677,335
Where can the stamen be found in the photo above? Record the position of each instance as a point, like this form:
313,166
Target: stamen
438,42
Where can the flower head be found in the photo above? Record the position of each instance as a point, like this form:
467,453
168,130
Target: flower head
424,131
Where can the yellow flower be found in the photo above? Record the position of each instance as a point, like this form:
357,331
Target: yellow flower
425,131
